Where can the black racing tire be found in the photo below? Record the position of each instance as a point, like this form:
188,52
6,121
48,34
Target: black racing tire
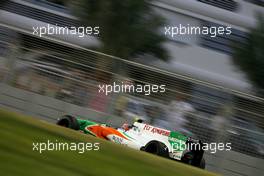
69,121
157,148
199,164
202,164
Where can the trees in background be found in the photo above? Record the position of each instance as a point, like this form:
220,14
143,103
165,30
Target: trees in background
249,55
128,28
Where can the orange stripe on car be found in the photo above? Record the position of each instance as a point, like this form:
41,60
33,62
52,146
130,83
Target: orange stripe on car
103,132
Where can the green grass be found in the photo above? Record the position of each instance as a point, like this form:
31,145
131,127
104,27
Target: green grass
17,134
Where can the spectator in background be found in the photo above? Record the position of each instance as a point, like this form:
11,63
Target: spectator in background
220,122
99,100
80,92
122,100
121,105
177,111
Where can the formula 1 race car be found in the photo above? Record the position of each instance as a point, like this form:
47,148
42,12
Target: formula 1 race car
141,136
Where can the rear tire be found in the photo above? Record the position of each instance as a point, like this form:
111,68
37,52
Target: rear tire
69,121
202,164
157,148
